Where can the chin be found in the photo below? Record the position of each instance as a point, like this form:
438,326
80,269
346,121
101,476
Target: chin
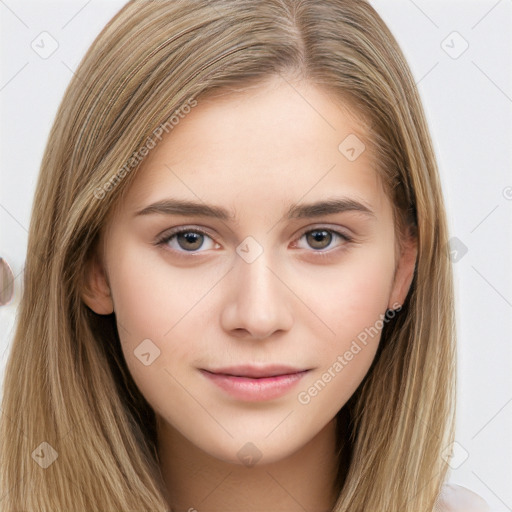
251,453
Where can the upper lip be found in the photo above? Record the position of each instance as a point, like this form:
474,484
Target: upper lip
257,371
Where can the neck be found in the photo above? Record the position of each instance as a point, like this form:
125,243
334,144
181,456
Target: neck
196,481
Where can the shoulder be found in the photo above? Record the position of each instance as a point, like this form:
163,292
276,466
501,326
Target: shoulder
454,498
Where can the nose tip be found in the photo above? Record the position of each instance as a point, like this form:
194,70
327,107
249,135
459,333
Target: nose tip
258,303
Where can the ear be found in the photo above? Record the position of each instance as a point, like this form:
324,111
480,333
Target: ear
404,272
96,292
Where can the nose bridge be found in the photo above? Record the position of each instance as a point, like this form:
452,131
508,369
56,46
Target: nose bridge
260,303
257,281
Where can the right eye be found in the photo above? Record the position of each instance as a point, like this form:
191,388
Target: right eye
185,240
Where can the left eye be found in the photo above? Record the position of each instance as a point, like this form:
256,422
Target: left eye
321,238
189,240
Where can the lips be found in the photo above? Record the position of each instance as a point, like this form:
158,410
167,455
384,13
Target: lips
255,372
249,383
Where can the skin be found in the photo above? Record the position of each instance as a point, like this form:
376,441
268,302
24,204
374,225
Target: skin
255,153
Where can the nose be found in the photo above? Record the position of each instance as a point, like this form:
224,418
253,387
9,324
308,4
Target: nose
258,302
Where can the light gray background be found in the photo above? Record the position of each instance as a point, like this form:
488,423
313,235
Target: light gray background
468,100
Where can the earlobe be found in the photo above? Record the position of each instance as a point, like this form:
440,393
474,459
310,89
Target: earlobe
96,292
404,272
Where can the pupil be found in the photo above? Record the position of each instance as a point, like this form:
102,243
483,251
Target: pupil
190,238
318,238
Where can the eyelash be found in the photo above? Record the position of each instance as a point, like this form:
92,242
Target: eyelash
167,237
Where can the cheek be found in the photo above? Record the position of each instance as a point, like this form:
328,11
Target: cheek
151,295
156,308
364,294
351,296
352,303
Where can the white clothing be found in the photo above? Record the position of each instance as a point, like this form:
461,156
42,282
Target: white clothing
455,498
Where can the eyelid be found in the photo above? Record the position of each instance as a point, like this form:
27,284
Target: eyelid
325,253
163,238
326,227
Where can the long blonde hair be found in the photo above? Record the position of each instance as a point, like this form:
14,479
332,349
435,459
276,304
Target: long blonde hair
66,382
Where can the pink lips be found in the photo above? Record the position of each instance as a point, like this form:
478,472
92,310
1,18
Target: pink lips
253,384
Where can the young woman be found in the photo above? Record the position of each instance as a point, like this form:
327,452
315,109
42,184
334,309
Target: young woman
237,294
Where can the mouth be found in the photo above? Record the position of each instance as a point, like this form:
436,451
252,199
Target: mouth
255,384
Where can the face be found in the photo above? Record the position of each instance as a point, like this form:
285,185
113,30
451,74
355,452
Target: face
248,277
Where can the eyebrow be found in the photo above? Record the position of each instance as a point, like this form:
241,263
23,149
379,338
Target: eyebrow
297,211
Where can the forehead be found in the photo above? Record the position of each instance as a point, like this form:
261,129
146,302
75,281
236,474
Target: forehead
281,141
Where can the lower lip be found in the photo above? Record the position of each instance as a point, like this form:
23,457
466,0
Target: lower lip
255,390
